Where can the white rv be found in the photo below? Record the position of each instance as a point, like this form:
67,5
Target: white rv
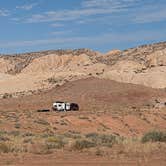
64,106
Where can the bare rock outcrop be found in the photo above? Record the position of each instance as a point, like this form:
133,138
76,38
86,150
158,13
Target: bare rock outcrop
145,65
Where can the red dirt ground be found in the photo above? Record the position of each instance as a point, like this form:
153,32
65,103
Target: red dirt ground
90,93
105,107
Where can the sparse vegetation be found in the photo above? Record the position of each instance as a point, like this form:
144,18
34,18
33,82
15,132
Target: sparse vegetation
99,152
83,117
3,136
14,133
72,135
4,148
40,148
63,123
95,139
82,144
6,96
17,125
102,139
154,136
28,134
108,109
28,142
42,122
52,80
104,126
54,142
46,143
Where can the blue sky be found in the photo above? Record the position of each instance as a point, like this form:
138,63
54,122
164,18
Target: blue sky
102,25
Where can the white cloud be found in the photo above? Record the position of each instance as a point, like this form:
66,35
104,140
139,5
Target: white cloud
60,33
4,12
139,36
151,16
26,6
107,3
137,10
134,11
67,15
88,8
57,25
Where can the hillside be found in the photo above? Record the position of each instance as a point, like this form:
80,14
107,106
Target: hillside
96,96
108,110
144,65
115,113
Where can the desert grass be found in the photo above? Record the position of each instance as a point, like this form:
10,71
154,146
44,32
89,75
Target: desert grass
154,136
46,143
131,146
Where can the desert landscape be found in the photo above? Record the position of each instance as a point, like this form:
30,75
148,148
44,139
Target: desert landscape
122,100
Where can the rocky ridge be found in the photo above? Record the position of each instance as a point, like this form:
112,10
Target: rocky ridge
144,65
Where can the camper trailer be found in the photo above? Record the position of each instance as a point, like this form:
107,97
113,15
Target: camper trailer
64,106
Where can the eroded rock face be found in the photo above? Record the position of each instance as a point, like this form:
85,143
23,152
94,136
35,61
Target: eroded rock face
5,65
158,58
21,61
145,65
32,71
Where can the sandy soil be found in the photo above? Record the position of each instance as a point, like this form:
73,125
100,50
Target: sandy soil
105,107
81,159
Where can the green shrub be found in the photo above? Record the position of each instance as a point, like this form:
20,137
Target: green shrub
28,134
70,135
82,144
17,125
4,148
99,152
42,122
154,136
6,96
55,143
103,140
27,140
14,133
83,117
3,136
3,132
107,138
92,135
52,80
